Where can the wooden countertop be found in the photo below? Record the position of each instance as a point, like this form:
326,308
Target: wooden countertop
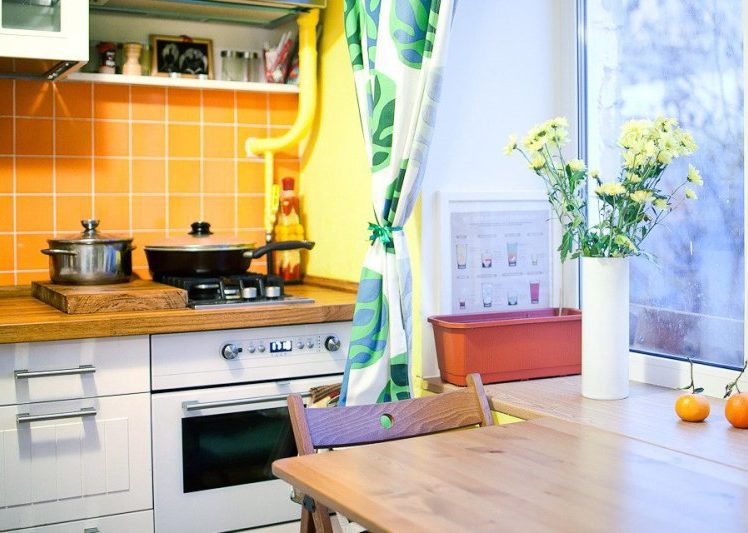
647,415
25,319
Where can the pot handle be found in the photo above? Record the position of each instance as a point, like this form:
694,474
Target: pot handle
48,251
278,245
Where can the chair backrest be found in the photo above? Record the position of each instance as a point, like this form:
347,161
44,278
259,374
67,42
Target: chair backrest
348,426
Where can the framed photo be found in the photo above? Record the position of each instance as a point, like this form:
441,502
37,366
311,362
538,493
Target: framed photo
178,53
497,252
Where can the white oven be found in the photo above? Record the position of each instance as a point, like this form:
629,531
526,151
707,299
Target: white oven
220,420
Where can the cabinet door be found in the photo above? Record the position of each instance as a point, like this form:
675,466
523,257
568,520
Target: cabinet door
51,29
65,370
141,522
95,461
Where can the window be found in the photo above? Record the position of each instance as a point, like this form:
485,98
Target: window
680,58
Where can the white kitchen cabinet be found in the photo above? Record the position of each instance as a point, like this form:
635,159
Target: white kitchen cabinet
41,37
141,522
62,370
95,461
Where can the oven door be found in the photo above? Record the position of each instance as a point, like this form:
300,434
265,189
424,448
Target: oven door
212,453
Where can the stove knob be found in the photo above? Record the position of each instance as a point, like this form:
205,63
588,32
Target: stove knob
310,343
230,351
332,343
272,291
261,348
251,348
249,293
300,345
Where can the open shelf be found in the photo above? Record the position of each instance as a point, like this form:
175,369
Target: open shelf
187,83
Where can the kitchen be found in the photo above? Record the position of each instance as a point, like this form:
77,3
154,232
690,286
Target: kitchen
148,157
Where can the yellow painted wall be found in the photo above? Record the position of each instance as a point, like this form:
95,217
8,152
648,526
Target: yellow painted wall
335,178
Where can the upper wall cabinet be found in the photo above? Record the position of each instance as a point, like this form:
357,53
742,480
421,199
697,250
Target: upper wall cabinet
42,39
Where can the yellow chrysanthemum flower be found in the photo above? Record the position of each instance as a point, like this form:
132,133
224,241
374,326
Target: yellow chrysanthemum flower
511,145
576,165
537,161
691,195
661,203
694,176
642,197
610,189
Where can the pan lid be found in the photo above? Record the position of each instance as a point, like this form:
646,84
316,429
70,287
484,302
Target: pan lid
90,235
200,239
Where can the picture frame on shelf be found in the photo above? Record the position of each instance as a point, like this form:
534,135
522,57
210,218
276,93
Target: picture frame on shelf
183,55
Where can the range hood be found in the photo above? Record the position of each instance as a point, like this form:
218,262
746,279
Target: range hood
259,13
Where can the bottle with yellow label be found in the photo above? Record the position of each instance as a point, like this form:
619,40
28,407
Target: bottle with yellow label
287,263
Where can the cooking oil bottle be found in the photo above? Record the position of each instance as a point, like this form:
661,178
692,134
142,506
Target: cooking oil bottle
287,263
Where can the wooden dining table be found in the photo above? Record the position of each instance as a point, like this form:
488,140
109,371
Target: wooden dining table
545,474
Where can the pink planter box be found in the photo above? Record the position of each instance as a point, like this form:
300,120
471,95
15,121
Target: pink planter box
509,346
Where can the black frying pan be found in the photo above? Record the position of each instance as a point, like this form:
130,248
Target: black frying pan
210,259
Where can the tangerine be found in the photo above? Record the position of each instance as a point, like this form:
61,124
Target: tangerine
736,410
692,407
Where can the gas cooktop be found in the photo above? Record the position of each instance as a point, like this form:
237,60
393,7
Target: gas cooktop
239,290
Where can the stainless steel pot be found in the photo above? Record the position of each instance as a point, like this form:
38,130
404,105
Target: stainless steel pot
90,258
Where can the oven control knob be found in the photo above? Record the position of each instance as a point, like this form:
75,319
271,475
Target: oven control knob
261,348
332,343
230,351
300,345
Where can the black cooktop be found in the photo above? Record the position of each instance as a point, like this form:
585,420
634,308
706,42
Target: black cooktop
236,290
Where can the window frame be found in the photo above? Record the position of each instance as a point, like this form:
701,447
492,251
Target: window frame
645,366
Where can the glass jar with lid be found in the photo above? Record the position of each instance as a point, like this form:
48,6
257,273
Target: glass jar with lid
234,65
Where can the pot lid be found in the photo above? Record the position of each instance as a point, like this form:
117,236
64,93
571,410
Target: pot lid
90,235
200,239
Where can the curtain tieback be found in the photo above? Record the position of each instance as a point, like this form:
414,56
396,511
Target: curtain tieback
383,233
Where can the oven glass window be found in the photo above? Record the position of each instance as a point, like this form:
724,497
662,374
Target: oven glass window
235,448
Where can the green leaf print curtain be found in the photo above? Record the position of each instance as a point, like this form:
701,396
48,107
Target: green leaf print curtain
397,49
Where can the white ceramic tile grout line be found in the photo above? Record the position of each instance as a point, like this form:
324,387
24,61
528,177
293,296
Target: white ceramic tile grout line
166,160
236,163
54,159
14,187
93,155
202,158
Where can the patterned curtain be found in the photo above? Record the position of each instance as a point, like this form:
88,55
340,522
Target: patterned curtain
397,49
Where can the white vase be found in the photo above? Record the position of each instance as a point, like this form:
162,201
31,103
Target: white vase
605,328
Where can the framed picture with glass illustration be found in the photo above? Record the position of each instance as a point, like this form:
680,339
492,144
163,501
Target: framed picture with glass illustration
181,55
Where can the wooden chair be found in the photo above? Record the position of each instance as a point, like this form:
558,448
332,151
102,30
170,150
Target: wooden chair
338,427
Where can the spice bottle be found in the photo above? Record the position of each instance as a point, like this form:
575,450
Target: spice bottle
287,263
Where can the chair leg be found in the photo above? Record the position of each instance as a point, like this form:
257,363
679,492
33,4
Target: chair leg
307,521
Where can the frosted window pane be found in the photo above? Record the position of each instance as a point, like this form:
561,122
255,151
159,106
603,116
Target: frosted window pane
680,58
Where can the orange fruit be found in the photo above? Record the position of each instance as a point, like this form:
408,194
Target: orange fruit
736,410
692,407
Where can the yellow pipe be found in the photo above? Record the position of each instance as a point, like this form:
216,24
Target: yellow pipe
307,104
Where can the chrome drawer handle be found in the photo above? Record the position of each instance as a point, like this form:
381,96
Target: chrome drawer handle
199,406
83,369
91,530
25,418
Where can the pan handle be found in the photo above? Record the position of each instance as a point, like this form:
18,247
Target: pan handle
48,251
278,245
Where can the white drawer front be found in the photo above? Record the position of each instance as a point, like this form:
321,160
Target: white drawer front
141,522
65,469
98,367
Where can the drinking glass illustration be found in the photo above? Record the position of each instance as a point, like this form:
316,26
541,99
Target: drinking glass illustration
461,256
485,259
534,292
511,253
462,300
511,297
534,259
487,291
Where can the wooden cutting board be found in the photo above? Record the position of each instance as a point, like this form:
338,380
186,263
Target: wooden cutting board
137,295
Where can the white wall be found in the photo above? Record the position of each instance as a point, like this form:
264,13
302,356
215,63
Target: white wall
511,64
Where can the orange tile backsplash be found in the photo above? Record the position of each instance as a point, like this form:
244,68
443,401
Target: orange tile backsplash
146,161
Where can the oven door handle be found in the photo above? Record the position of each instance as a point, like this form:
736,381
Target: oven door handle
201,406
